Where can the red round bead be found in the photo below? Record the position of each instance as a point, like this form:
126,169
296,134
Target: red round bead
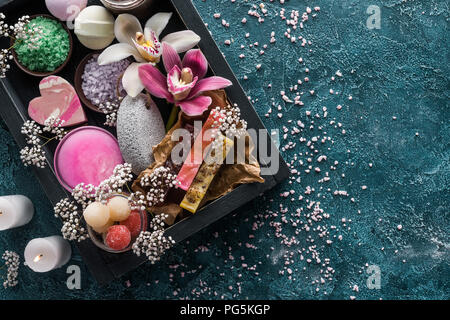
118,237
133,223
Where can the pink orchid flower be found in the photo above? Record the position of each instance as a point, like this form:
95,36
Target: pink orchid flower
185,80
144,45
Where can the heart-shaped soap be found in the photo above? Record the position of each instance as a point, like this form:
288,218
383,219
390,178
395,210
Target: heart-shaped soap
59,99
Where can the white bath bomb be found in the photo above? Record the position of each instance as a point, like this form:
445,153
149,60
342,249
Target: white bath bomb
104,228
119,208
65,9
139,129
94,27
96,215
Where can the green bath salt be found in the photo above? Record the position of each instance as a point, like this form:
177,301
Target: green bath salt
50,51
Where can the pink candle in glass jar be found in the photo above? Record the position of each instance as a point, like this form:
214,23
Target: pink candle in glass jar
86,155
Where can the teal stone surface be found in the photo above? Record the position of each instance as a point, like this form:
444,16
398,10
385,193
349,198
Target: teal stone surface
396,143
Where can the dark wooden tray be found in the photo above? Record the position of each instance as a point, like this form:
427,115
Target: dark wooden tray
19,88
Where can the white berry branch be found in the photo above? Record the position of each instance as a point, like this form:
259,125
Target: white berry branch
21,31
34,154
12,262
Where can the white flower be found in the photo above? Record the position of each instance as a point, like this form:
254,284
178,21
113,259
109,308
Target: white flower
12,261
153,243
143,45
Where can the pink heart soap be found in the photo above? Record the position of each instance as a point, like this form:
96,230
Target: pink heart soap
59,99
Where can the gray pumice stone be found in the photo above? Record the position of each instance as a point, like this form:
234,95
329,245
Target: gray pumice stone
139,128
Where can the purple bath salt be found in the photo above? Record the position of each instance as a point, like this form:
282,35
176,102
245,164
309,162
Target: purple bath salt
100,83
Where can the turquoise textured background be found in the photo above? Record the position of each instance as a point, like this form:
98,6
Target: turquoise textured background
398,78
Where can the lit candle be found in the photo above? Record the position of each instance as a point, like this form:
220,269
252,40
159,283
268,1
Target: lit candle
46,254
15,211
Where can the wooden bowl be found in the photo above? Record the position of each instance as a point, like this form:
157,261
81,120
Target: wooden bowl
57,70
78,82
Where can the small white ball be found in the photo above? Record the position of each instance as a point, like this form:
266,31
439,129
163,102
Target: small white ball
94,27
119,208
96,215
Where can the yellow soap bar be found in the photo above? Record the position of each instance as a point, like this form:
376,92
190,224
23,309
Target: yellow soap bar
204,177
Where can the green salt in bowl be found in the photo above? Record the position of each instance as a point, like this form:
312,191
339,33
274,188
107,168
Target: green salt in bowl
47,73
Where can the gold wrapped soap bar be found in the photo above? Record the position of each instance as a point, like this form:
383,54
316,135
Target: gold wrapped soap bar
209,168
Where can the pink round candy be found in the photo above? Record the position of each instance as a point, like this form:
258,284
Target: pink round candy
65,9
86,155
133,223
118,237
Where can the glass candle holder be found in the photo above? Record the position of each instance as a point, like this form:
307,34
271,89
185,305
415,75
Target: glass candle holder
134,7
99,241
86,155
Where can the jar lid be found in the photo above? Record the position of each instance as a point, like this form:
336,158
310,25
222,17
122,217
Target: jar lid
123,4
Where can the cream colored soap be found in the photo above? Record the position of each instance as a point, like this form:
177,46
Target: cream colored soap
94,27
96,215
119,208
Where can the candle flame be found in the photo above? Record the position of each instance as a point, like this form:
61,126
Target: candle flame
39,257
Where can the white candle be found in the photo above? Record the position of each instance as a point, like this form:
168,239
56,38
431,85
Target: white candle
46,254
15,211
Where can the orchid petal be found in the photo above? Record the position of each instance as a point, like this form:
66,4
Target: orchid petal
117,52
126,27
207,84
155,82
196,61
182,41
149,34
158,22
196,106
131,81
170,57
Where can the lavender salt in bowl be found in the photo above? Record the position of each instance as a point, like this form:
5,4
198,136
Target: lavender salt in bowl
100,87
